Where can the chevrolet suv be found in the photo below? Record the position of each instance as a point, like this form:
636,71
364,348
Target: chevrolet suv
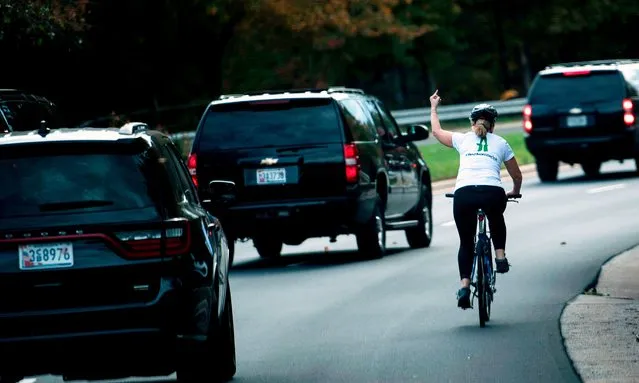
109,265
583,113
312,163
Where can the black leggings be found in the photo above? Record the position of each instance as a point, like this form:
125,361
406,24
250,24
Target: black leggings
492,200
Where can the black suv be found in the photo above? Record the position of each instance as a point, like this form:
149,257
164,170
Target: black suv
24,111
585,113
109,265
313,163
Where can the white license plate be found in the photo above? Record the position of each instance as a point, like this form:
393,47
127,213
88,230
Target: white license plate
271,176
576,121
45,256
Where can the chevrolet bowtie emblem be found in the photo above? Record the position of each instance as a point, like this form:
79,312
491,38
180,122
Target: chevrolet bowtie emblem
269,161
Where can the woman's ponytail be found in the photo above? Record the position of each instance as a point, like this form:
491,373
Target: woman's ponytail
481,127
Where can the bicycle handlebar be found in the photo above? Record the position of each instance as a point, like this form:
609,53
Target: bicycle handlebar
510,197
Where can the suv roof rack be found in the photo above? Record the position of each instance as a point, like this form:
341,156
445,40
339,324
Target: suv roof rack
333,89
133,127
595,62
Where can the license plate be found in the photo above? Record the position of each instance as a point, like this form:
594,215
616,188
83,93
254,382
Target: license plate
271,176
576,121
45,256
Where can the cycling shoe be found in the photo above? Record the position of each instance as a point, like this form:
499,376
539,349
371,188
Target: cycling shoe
463,298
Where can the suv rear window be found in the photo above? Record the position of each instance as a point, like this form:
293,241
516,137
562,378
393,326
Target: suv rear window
26,115
562,90
270,123
36,184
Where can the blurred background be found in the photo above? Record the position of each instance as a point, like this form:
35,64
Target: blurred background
162,61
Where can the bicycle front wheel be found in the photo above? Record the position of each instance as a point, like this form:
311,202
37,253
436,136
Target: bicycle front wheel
482,253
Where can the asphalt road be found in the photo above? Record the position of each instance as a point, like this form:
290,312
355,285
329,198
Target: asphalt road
326,316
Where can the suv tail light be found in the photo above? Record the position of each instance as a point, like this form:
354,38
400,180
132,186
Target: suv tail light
628,112
175,236
527,113
351,160
191,163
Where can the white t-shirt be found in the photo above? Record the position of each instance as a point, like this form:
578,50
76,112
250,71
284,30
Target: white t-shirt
480,159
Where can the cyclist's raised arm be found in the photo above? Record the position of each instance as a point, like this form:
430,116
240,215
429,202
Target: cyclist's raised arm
515,173
443,136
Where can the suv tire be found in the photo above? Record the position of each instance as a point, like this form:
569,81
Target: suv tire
216,360
371,236
268,247
547,169
591,168
421,235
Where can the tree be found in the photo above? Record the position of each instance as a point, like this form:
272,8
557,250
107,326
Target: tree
295,43
37,22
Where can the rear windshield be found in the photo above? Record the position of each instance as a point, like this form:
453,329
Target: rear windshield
595,87
27,115
48,184
270,123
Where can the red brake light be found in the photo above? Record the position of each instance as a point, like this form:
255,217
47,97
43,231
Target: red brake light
351,160
191,163
149,243
527,112
576,72
628,112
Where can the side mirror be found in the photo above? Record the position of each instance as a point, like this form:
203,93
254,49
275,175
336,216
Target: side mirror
416,133
222,191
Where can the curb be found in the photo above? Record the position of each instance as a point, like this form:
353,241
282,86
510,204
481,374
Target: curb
600,330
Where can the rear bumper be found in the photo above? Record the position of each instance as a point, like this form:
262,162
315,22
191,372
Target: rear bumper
577,149
73,339
305,218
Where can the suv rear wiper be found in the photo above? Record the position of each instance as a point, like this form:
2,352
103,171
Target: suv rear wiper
74,205
298,147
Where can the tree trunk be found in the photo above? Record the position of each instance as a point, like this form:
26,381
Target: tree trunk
501,44
525,65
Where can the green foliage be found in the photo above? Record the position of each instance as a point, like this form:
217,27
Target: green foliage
176,51
38,22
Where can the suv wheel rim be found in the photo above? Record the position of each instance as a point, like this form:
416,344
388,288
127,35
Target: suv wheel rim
426,217
379,225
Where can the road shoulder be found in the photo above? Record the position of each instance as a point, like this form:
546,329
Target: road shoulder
601,326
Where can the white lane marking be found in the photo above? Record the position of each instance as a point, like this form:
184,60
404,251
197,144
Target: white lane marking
606,188
28,380
449,223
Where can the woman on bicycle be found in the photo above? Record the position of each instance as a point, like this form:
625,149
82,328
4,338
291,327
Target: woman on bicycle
478,186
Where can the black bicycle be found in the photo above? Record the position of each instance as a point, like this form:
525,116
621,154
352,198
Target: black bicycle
483,276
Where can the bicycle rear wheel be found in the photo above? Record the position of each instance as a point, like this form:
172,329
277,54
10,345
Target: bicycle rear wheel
482,253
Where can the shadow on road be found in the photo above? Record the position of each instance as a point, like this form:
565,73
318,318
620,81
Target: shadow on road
309,260
604,176
492,327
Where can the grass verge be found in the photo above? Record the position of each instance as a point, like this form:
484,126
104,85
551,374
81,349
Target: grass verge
444,161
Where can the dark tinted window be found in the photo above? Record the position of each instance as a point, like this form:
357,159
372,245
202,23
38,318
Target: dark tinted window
182,173
26,115
389,122
35,184
270,123
562,90
358,120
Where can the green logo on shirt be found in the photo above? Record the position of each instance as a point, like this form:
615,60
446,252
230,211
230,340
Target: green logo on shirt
482,145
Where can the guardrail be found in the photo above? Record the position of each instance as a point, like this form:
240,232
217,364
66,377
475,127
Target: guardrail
422,115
